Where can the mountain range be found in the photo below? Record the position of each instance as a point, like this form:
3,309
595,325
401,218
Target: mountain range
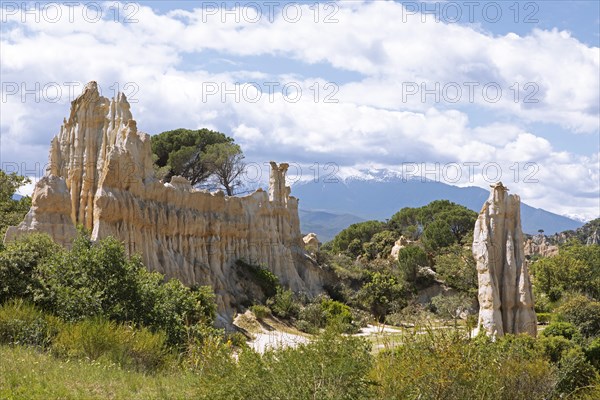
328,207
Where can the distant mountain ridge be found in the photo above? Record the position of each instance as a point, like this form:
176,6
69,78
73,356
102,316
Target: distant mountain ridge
381,194
325,224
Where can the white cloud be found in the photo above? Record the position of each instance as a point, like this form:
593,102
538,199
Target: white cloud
373,123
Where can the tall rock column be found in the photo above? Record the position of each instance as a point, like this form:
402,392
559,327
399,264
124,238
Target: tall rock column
505,293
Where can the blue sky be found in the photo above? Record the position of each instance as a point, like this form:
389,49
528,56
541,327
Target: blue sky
379,83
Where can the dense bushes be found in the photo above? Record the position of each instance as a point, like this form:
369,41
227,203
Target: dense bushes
91,339
360,233
99,280
324,312
98,339
575,268
445,365
583,312
19,263
23,324
330,367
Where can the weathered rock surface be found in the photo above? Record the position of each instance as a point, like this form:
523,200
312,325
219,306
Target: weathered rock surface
101,176
538,245
311,242
399,245
505,293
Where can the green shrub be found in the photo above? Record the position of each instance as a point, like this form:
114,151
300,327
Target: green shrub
352,238
382,294
575,373
99,280
555,346
410,259
592,353
544,318
564,329
99,339
331,367
446,365
23,324
456,267
265,279
260,311
583,312
312,318
19,262
283,304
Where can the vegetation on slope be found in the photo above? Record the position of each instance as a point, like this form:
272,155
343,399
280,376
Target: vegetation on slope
91,322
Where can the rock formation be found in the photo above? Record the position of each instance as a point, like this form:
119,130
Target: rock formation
399,245
538,245
311,243
101,176
505,293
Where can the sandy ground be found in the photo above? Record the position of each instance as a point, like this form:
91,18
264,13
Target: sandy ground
376,330
268,333
275,340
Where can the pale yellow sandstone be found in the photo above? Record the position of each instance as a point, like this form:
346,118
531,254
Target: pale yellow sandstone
101,176
506,303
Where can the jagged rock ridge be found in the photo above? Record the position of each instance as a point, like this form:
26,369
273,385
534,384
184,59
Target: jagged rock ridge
505,292
101,176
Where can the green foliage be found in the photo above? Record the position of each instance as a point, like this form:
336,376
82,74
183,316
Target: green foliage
592,353
575,268
180,150
91,280
331,367
260,311
583,312
19,261
446,217
355,234
544,318
225,160
98,279
197,155
410,260
23,324
446,365
574,372
325,312
456,267
382,294
283,304
312,318
12,211
555,346
264,278
95,339
564,329
380,244
437,235
451,307
171,307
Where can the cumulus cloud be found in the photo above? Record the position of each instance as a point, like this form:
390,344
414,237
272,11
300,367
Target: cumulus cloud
376,119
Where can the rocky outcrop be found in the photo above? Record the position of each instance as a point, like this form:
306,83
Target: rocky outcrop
311,243
399,245
593,238
538,245
101,176
505,293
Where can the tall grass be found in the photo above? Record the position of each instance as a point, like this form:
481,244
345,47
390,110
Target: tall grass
23,324
99,339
